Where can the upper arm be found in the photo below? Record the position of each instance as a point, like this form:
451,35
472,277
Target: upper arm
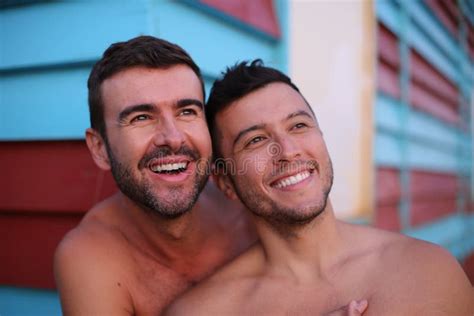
88,280
430,281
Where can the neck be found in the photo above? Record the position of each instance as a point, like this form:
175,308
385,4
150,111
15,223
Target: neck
305,252
171,239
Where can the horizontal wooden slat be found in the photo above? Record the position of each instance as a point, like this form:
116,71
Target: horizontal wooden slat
387,186
430,209
447,12
423,73
388,80
28,243
426,101
425,185
387,46
50,176
386,217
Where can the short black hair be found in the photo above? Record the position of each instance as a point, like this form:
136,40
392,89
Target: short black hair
236,82
145,51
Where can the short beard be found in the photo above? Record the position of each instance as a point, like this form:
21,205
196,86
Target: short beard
283,219
142,192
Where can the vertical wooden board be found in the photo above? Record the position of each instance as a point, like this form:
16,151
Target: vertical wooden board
387,217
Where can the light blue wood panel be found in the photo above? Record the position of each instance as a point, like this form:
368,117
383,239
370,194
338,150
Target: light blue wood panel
427,157
44,105
213,42
388,113
389,13
432,131
454,232
61,32
387,149
28,302
433,29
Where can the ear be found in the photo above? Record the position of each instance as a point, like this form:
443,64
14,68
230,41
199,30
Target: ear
97,148
224,183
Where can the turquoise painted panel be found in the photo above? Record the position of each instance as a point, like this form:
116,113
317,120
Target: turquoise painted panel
428,129
44,105
425,157
213,42
28,302
454,232
434,29
387,150
59,32
423,45
388,113
389,13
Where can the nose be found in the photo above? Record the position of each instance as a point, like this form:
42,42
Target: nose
169,134
284,149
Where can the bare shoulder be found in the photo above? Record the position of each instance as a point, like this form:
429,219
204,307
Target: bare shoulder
224,291
89,269
415,275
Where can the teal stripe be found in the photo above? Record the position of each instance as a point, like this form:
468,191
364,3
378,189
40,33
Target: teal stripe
28,302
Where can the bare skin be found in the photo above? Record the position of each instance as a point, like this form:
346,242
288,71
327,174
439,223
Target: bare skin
125,258
314,266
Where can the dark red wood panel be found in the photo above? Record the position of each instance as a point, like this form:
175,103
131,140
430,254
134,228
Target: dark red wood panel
387,199
28,242
432,195
260,14
468,265
388,68
50,176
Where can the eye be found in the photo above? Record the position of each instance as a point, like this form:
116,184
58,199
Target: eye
188,112
299,126
140,118
255,140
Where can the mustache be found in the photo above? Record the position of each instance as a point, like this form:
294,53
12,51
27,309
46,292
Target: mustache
162,152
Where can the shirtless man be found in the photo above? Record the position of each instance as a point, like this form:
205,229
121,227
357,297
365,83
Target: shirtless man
134,252
272,156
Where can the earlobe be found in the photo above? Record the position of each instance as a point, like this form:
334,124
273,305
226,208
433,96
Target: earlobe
96,145
224,184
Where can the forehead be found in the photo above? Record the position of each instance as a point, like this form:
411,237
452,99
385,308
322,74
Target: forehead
268,105
140,85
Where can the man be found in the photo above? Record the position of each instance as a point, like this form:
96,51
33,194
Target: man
134,252
272,156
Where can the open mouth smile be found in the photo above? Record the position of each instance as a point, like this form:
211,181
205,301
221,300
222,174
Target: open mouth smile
291,180
169,168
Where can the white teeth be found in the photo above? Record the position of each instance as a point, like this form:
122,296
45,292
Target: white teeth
169,167
292,180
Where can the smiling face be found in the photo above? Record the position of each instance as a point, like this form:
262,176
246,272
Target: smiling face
283,172
158,144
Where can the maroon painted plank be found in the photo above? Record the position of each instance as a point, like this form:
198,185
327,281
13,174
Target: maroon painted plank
28,243
387,186
424,100
424,74
386,217
387,80
50,176
260,14
387,46
430,209
468,266
426,185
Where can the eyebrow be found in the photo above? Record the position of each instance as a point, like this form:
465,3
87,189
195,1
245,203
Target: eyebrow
298,113
150,108
185,102
248,130
135,108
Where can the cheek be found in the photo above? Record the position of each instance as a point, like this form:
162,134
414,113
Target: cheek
254,167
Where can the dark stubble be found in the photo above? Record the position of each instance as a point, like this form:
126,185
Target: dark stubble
177,201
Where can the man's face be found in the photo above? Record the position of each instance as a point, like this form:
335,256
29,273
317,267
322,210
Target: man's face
158,143
283,172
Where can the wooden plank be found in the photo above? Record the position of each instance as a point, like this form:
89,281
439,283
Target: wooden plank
28,245
50,176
